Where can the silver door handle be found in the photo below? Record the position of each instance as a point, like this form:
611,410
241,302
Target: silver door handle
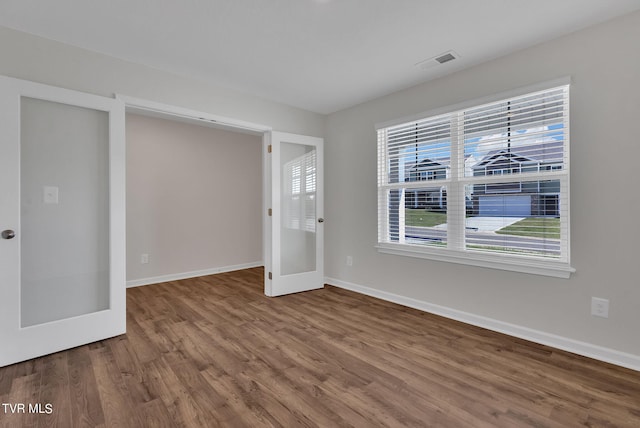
8,234
320,220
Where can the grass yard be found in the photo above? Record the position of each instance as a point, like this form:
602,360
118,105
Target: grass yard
541,227
421,217
535,227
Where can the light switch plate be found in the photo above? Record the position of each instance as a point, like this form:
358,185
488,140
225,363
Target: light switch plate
50,194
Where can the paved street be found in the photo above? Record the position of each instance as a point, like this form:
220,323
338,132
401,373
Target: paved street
473,237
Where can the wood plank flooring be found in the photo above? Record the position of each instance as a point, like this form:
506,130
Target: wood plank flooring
214,351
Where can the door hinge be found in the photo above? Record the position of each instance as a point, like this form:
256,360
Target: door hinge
269,148
270,212
270,275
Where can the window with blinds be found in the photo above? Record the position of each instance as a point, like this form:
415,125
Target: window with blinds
486,181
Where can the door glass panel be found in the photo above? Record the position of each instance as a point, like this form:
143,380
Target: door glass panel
298,208
64,202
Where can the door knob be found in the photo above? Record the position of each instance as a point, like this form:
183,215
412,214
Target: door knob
8,234
320,220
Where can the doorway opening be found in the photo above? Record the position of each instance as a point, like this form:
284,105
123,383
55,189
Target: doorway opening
194,193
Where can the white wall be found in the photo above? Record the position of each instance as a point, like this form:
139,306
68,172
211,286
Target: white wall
194,198
29,57
604,64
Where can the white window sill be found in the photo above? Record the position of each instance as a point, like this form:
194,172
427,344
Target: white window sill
495,261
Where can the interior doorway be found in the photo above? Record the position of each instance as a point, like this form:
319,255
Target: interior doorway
278,186
194,200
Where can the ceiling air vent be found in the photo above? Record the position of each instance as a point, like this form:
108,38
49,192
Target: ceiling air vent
445,58
437,60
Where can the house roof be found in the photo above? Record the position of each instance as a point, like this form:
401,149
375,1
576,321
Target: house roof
435,163
549,152
432,164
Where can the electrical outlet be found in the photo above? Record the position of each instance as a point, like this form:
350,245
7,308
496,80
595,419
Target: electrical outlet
599,307
349,261
144,258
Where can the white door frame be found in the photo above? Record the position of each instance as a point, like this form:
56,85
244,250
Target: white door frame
167,111
152,108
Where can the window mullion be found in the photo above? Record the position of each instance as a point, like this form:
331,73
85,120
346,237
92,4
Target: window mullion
383,193
564,219
455,192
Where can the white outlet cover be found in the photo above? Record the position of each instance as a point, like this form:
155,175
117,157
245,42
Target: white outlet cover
600,307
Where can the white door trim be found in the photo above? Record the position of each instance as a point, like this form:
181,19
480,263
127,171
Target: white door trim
172,112
153,108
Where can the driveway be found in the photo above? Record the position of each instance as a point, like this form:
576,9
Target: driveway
486,224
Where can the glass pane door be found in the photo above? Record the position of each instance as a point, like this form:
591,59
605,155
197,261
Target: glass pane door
64,211
294,238
62,194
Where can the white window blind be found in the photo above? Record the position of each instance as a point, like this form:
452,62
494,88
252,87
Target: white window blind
490,180
299,192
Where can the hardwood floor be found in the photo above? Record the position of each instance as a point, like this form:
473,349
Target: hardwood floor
214,351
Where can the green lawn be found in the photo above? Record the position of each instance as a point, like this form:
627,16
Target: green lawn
424,218
541,227
545,227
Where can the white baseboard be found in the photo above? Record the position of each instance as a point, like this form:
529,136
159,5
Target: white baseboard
577,347
193,274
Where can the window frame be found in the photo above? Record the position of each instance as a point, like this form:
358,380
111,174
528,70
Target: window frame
455,252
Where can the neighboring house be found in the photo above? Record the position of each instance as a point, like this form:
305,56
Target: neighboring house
434,197
513,199
519,198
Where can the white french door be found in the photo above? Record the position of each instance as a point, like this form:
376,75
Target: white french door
62,219
294,198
